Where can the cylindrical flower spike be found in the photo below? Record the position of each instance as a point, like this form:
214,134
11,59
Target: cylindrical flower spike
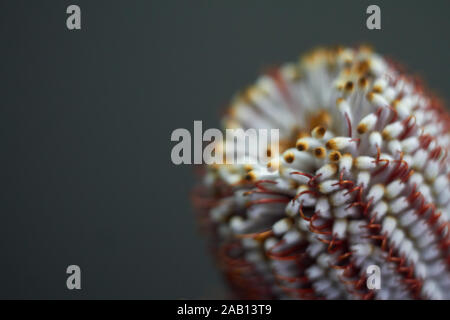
362,179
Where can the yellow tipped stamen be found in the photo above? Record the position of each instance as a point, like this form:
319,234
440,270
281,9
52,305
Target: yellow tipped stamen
377,89
362,82
302,145
320,152
363,67
331,144
335,156
361,128
386,135
318,132
250,176
338,143
349,86
289,157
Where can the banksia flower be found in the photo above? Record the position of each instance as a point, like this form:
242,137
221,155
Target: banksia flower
362,179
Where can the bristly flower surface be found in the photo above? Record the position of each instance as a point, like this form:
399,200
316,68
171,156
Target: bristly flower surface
362,179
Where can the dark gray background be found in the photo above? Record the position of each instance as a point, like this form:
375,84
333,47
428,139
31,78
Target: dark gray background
86,118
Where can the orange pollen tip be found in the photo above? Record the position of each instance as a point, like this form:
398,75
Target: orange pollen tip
362,82
335,156
250,176
362,128
302,146
331,144
377,89
319,131
289,157
319,152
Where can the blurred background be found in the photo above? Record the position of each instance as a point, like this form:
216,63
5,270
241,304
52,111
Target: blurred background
86,118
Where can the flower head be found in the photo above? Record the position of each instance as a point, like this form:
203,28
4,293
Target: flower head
362,179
